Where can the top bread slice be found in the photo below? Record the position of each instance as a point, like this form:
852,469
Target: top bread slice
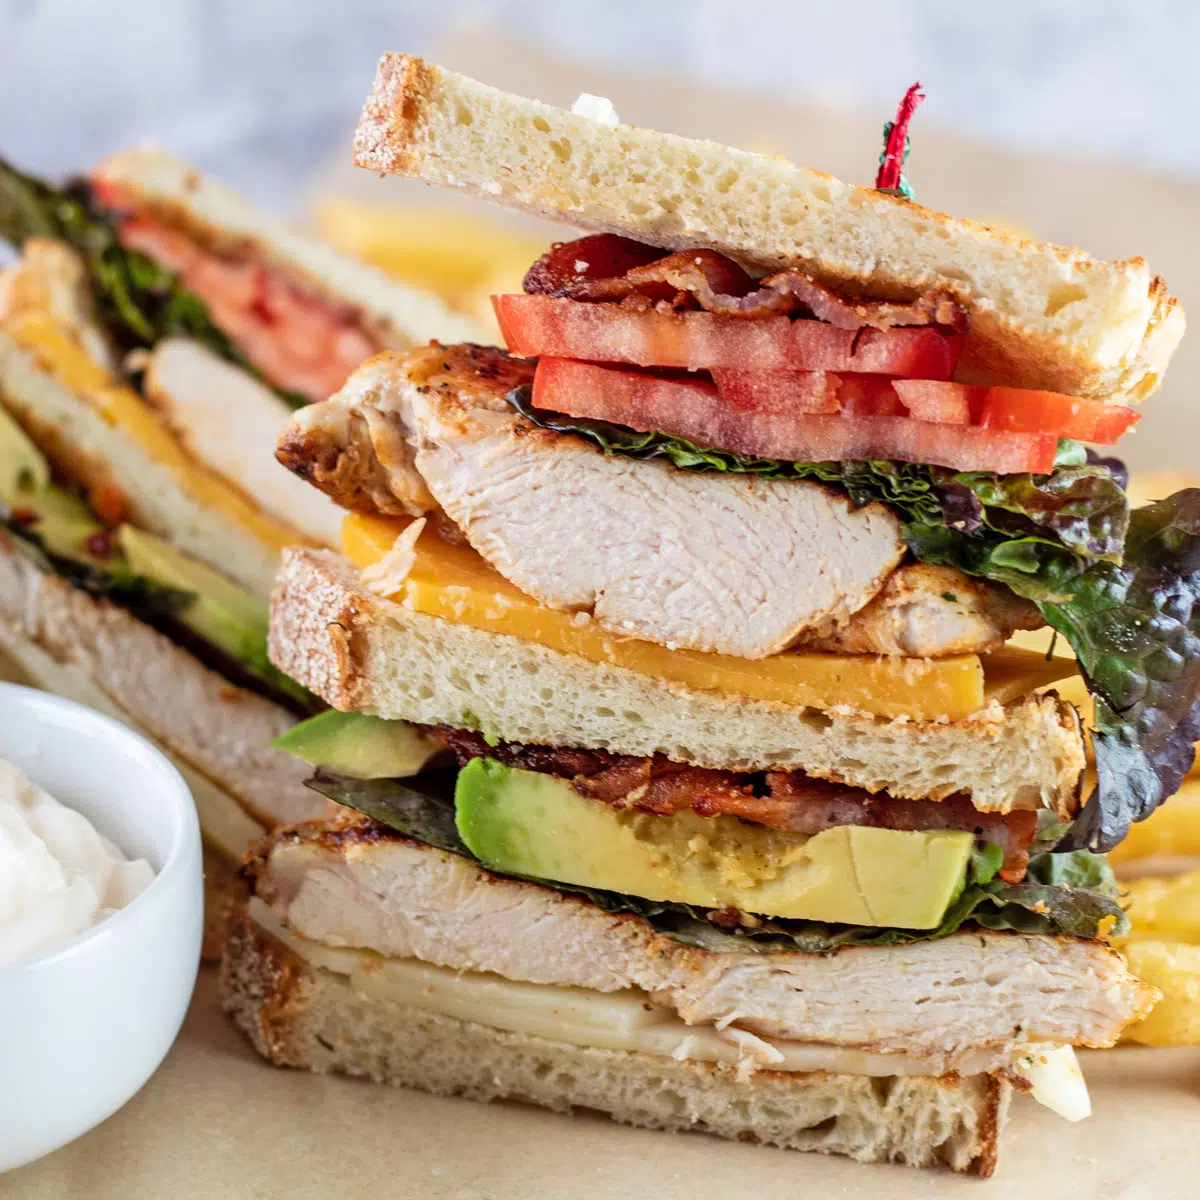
1042,316
221,218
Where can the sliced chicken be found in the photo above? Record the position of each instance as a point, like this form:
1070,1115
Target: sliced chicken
356,453
222,731
350,883
929,612
230,422
732,564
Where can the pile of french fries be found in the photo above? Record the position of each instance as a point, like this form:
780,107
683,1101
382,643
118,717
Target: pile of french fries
466,260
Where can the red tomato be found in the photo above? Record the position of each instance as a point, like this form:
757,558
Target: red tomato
869,395
944,403
779,391
546,326
693,409
1016,410
297,337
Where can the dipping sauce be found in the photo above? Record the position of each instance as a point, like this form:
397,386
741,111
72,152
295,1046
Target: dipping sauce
58,874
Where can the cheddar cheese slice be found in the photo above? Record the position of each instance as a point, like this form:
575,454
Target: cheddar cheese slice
455,583
57,352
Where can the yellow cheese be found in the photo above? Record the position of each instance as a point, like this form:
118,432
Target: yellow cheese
455,583
58,353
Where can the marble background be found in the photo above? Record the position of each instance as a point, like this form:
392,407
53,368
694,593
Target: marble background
262,91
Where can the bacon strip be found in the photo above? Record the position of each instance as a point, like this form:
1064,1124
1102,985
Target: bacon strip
605,267
789,801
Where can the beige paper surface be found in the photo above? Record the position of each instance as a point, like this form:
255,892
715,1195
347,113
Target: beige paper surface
216,1123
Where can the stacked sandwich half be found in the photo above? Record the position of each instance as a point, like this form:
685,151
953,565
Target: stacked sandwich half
155,332
739,814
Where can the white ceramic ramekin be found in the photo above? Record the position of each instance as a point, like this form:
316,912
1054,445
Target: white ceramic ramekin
83,1025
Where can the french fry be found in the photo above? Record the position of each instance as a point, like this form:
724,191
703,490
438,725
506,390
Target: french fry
1164,908
1173,829
453,255
1173,967
1148,486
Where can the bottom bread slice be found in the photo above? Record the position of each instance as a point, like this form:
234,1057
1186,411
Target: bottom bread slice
223,889
298,1015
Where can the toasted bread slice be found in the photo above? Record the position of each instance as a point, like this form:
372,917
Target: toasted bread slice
363,653
300,1015
81,440
224,220
1042,316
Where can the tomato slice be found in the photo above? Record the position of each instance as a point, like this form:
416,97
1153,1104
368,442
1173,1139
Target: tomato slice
869,395
548,326
779,391
296,337
694,409
1016,410
944,403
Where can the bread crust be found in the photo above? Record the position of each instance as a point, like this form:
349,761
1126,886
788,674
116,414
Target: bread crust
1042,316
224,889
299,1016
362,653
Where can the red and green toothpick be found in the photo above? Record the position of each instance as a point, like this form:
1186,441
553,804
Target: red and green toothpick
891,177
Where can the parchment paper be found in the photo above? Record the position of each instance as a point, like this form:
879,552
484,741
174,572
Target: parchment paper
218,1124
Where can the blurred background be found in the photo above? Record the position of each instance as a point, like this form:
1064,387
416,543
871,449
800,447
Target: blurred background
1072,120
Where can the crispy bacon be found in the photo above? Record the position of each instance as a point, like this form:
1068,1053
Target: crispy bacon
601,256
605,267
930,308
789,801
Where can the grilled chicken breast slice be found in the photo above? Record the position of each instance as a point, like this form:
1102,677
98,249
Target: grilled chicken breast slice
350,882
732,564
925,611
228,420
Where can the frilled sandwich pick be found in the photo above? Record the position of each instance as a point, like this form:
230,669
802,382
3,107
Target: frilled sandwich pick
155,333
753,825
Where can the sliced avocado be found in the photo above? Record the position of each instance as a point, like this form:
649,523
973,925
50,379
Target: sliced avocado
525,823
63,522
23,469
229,617
360,746
225,604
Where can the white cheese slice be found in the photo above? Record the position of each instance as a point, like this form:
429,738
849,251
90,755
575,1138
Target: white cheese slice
1055,1078
625,1020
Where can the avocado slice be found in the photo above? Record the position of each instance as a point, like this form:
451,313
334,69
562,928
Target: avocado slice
23,469
223,614
62,522
526,823
360,746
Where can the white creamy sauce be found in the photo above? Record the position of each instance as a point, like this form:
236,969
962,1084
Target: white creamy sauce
58,874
